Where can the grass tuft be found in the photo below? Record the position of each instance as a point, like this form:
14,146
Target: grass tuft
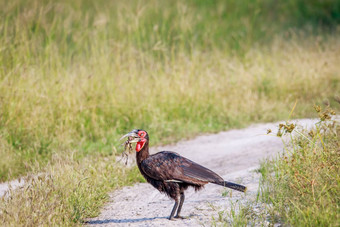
66,193
303,186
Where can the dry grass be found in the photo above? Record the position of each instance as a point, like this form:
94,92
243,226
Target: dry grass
88,106
66,193
75,76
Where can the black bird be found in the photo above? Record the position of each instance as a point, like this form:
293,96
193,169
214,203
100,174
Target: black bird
171,173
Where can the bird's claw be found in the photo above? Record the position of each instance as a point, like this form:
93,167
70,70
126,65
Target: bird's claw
181,217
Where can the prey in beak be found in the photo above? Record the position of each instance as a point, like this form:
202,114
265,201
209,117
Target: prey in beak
138,136
133,137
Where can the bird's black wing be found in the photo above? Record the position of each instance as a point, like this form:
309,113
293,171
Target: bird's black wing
170,166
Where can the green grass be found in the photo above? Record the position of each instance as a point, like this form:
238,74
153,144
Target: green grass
78,75
303,185
300,187
75,76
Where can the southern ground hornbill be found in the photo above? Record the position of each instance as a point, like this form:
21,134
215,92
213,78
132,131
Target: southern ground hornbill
171,173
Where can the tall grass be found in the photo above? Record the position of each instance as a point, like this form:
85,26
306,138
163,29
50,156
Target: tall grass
299,187
77,75
303,185
66,193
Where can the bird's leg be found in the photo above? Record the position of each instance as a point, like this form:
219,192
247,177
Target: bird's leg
173,210
180,206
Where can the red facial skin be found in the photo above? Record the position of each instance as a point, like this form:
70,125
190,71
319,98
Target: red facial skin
141,143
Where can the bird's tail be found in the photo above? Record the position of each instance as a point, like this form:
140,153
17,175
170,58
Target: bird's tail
234,186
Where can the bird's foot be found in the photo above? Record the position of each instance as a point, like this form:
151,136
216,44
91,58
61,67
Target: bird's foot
181,217
177,217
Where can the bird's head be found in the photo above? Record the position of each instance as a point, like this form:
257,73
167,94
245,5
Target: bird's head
137,136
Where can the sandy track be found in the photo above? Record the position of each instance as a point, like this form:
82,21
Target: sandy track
233,154
7,186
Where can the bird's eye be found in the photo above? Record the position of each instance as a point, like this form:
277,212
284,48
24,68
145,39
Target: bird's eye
141,133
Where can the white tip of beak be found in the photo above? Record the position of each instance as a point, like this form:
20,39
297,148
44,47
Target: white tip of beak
132,134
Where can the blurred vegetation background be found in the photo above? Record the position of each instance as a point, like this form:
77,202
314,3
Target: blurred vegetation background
76,75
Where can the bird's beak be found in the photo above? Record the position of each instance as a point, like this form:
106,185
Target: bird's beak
133,137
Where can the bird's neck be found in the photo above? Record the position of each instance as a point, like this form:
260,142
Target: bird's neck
143,153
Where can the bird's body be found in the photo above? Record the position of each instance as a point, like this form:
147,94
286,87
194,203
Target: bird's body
165,171
171,173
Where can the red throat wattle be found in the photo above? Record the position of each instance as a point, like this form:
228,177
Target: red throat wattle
140,145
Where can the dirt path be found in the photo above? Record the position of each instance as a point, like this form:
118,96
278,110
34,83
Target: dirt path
234,154
4,187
